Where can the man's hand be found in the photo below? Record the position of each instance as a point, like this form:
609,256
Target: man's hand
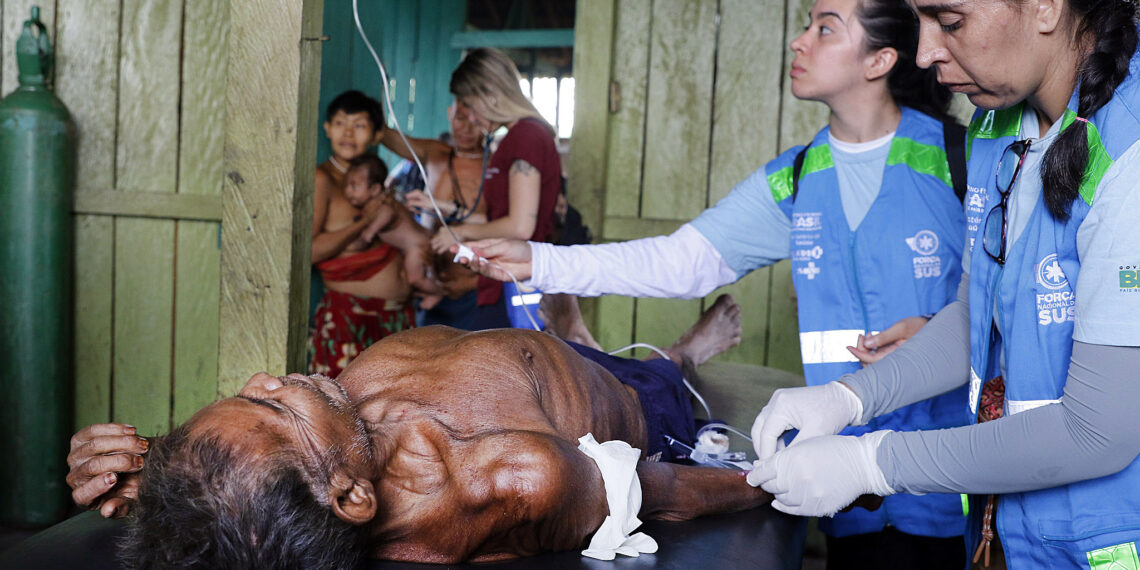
104,461
820,476
418,201
813,410
442,241
873,348
500,256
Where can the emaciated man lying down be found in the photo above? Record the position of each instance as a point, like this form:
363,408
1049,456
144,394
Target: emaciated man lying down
434,445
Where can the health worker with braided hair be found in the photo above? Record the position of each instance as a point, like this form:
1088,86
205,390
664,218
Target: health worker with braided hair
874,229
1048,318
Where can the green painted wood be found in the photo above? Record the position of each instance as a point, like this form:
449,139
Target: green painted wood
429,106
679,108
87,79
621,228
626,134
94,278
660,322
615,321
744,137
143,327
149,64
206,32
586,164
747,105
544,38
12,18
153,204
267,193
451,18
198,266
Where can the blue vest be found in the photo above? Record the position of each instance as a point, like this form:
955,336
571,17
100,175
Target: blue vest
1089,523
903,260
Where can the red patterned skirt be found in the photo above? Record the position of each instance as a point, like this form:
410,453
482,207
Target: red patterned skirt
345,325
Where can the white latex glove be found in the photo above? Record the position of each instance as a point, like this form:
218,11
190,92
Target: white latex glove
814,410
820,476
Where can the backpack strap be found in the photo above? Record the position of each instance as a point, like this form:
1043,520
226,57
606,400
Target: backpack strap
797,168
955,141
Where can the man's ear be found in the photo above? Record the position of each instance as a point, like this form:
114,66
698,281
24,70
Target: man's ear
327,126
880,63
352,500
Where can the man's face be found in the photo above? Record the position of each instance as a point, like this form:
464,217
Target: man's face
311,416
465,135
983,48
350,135
356,187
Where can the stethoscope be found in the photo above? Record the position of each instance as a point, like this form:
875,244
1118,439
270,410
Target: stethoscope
454,218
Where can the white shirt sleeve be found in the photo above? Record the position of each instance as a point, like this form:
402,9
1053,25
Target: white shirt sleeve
1108,243
682,265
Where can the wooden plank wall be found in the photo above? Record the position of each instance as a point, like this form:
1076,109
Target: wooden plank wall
698,101
144,81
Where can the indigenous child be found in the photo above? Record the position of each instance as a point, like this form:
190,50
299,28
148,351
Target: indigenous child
394,225
366,295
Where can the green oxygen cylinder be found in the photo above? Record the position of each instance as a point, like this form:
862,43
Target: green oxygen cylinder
36,177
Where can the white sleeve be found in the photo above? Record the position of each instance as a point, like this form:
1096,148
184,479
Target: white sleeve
1108,243
682,265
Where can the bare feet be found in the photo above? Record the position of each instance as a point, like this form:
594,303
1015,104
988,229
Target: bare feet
563,319
716,331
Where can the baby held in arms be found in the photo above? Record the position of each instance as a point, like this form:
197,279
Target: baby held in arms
394,225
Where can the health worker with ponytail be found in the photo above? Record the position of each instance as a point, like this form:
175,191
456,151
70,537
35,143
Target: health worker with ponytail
1047,322
869,216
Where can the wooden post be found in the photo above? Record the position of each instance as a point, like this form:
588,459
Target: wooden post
270,154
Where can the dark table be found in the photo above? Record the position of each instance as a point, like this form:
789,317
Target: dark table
760,538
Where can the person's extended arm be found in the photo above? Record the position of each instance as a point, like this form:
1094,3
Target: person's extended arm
1091,433
426,149
525,192
934,361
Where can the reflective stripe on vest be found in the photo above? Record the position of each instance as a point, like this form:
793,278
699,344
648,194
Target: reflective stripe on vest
823,347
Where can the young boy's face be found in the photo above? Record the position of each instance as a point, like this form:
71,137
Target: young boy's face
356,188
350,135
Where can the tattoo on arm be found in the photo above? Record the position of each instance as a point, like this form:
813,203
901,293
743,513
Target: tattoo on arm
521,166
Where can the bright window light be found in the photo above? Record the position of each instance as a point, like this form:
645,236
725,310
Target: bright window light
566,108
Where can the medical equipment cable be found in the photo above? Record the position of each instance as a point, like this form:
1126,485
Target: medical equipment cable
416,158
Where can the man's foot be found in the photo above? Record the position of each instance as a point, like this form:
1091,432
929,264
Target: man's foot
564,320
716,331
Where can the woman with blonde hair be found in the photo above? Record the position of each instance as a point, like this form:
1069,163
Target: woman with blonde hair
524,175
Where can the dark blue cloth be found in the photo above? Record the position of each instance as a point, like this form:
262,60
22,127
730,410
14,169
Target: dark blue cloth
661,390
458,313
491,316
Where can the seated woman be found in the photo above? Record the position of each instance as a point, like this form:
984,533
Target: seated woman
433,446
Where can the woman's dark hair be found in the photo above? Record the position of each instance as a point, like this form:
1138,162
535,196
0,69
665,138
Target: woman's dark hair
201,505
891,23
1109,28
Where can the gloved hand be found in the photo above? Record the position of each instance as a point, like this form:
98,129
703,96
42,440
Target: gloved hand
820,476
814,410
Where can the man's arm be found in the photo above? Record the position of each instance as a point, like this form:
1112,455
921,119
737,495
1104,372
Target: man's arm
682,492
